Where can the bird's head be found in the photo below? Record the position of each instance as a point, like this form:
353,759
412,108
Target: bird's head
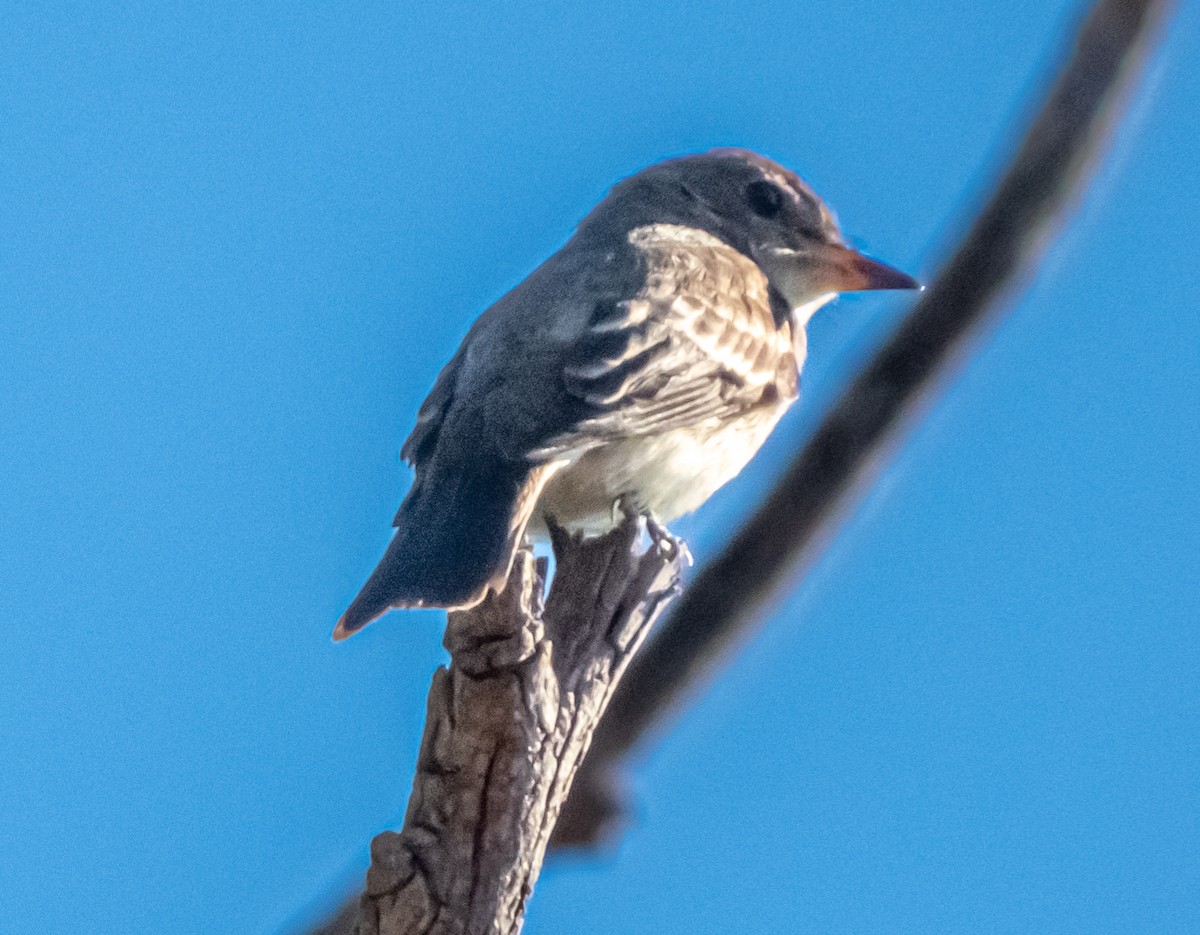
760,209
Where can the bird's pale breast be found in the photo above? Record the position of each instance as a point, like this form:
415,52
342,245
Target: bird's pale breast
666,475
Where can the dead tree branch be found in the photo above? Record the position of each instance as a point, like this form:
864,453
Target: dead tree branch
782,538
506,727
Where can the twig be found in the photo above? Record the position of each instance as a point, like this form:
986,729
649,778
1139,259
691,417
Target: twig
781,539
506,728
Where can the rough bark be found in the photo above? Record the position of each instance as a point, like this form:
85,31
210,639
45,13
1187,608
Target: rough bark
506,727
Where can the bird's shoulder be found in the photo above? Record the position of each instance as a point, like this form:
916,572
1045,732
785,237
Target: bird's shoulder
698,301
700,337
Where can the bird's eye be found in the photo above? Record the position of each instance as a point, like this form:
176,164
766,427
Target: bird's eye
765,199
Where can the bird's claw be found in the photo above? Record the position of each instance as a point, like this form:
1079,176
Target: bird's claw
673,546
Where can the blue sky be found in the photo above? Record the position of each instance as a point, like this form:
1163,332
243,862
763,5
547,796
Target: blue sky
238,243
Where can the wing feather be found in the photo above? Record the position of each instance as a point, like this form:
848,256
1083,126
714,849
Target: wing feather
699,341
422,439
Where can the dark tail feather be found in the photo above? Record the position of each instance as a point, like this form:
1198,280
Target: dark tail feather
455,538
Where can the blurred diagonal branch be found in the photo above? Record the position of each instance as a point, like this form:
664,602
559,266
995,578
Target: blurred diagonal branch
784,535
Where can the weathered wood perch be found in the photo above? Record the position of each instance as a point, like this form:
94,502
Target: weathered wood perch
506,727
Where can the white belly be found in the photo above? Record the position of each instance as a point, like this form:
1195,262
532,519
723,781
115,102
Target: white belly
665,475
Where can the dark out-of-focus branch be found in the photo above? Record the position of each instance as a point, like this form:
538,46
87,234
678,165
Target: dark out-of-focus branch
783,537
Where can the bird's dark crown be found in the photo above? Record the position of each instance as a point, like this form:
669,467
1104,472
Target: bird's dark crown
745,199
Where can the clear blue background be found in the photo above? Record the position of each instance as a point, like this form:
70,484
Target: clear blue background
237,243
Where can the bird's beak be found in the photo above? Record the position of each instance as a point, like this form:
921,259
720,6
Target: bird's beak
850,271
824,267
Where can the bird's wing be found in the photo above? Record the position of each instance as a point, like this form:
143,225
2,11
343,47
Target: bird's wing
701,339
423,437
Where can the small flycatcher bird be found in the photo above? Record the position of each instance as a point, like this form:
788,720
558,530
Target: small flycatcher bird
645,362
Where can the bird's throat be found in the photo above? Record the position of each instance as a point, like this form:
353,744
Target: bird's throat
805,310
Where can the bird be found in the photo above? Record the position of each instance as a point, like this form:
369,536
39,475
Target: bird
644,364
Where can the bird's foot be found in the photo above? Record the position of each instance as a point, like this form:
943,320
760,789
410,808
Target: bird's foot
673,546
624,510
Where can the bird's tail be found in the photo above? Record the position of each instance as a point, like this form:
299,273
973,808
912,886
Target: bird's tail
455,539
